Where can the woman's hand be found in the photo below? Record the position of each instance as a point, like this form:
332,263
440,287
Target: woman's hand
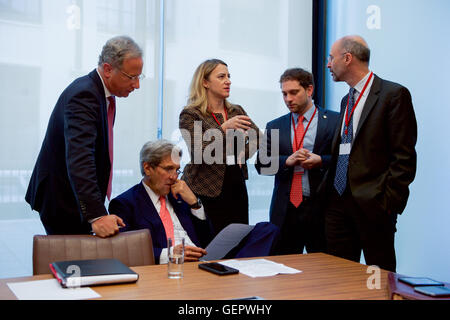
237,122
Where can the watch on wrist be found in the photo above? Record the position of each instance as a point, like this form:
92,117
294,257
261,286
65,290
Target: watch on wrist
196,205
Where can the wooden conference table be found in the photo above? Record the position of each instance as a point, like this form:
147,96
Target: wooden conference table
323,277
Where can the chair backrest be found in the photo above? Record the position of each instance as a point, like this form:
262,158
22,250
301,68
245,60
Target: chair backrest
258,243
132,248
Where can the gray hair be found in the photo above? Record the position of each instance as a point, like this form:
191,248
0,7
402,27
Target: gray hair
153,152
117,49
357,47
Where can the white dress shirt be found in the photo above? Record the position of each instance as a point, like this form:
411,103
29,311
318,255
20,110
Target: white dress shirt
359,108
178,230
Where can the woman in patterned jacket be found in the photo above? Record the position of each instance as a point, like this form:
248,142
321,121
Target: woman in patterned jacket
220,137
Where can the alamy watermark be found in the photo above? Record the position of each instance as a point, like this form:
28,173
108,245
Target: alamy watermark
213,147
374,280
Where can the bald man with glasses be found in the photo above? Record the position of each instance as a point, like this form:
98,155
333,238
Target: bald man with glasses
164,204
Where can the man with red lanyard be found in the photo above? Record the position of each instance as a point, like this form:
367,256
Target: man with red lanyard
304,144
373,159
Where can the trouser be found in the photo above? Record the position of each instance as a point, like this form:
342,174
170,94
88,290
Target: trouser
303,228
349,229
231,205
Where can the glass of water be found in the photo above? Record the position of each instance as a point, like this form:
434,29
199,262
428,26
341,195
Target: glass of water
175,251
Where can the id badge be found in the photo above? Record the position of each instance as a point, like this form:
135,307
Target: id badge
299,169
345,148
230,160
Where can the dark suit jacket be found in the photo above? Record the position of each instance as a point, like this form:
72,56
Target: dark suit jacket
136,209
382,160
327,121
70,178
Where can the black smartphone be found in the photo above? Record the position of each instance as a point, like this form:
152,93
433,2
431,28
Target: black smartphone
434,291
217,268
418,281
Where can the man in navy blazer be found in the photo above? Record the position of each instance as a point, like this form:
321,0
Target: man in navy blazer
71,177
302,225
141,207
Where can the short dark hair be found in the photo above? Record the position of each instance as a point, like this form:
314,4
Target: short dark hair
305,78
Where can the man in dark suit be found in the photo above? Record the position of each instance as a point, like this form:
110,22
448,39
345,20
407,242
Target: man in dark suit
73,172
163,204
297,152
373,159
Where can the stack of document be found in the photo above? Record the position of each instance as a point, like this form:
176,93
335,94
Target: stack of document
259,267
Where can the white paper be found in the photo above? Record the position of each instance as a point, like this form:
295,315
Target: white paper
259,267
345,148
49,290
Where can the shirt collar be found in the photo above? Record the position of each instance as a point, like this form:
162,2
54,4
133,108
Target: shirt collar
360,85
307,115
107,93
153,196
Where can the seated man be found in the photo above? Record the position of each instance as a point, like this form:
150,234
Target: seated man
145,205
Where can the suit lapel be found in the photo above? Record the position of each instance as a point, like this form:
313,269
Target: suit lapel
322,123
98,83
285,135
372,99
337,133
150,214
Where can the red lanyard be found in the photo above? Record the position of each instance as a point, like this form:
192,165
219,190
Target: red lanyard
347,118
226,116
297,146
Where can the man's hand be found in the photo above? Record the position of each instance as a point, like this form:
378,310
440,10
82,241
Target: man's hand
303,157
193,253
107,226
313,161
297,158
180,188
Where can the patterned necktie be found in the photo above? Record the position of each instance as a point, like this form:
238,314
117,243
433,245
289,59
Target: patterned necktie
111,115
165,218
296,195
340,179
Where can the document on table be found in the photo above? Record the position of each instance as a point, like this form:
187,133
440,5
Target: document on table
49,290
259,267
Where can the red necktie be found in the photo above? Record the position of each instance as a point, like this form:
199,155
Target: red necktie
165,218
111,115
296,195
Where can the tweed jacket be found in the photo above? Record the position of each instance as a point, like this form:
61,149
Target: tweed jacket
206,177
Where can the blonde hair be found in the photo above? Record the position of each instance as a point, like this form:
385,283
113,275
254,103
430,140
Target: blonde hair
197,92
